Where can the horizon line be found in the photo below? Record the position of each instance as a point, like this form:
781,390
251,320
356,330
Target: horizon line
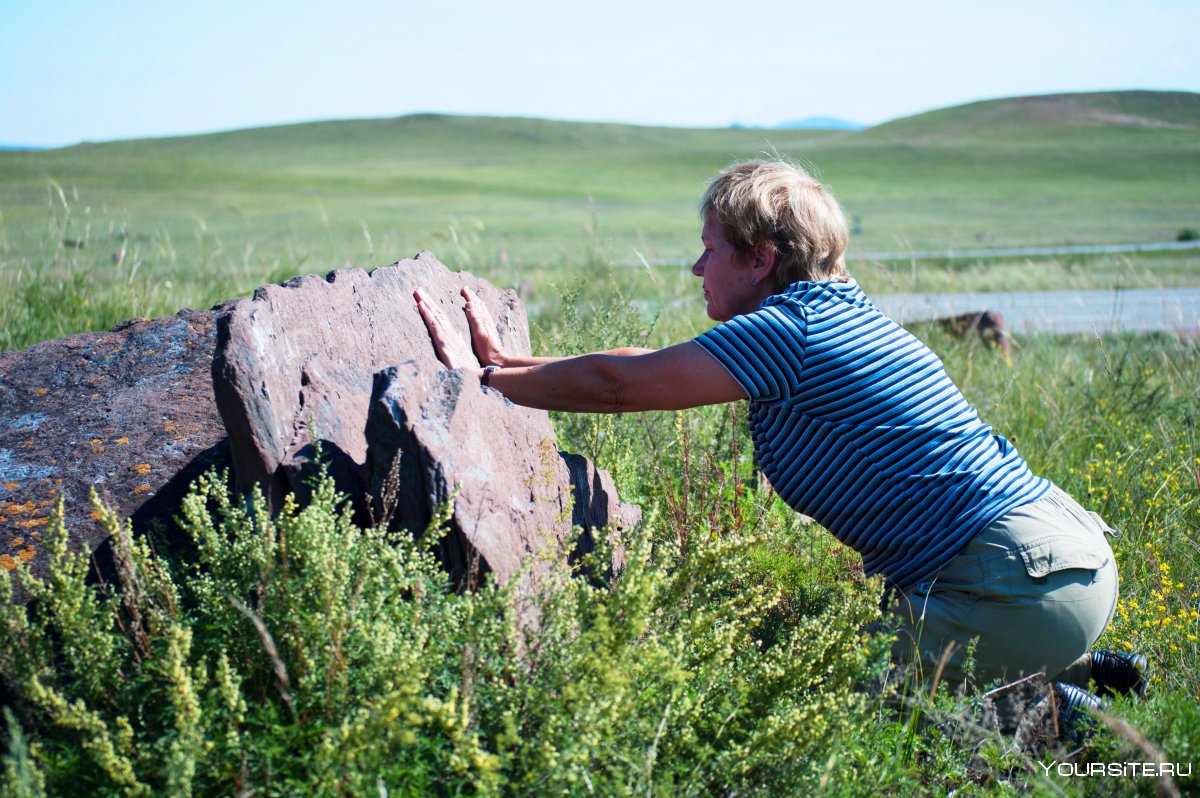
732,124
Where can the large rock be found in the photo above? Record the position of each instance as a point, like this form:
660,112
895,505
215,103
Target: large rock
512,493
294,364
295,370
129,412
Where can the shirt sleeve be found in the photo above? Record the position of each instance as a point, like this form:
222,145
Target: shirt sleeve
763,351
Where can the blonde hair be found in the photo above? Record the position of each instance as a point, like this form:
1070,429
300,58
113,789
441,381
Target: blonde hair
778,204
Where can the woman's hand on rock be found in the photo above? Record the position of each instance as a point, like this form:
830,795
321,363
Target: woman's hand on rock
450,347
483,330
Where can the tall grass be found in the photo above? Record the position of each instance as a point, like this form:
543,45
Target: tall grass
84,269
304,654
94,234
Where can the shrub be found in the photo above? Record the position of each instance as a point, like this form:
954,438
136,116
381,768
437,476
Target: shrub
302,654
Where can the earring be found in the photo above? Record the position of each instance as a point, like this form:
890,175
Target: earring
753,281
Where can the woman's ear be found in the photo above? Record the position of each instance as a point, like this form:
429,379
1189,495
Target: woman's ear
763,264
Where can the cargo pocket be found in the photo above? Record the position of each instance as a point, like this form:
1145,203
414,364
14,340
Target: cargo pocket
1061,553
1104,527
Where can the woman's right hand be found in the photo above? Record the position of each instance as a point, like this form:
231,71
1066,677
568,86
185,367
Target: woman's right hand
483,330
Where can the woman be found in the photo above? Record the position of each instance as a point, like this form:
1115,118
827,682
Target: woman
856,424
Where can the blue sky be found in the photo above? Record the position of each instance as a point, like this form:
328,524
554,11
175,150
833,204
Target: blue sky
73,70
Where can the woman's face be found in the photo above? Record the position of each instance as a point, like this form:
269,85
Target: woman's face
727,286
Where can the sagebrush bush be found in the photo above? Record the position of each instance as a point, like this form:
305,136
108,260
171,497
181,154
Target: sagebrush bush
303,654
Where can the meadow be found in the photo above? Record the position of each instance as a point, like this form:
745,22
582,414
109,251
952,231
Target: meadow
144,228
727,658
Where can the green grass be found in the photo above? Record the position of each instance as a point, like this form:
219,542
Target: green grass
727,659
531,201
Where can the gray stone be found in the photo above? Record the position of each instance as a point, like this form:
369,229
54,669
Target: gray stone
294,365
129,412
512,493
989,325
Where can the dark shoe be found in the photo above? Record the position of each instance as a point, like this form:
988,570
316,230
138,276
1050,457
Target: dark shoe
1118,673
1074,705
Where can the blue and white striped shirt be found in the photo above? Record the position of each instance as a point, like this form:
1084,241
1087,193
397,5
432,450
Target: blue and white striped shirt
856,424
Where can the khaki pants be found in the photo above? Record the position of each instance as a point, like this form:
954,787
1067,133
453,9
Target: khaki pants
1037,587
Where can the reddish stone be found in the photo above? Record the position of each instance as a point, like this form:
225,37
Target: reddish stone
512,493
129,412
295,364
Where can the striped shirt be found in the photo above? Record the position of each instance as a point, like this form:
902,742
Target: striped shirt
856,424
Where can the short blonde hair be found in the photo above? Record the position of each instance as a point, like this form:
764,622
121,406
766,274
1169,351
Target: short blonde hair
779,204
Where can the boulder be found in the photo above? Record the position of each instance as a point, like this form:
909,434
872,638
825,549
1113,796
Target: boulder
294,365
989,325
344,366
512,494
129,412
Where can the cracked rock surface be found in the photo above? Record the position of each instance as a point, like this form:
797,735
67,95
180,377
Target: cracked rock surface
128,412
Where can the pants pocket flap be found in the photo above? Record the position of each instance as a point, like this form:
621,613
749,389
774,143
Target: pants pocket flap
1100,522
1060,553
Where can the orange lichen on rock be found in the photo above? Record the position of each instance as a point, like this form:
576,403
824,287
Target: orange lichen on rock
142,468
17,542
11,485
27,554
32,522
42,391
121,441
7,562
142,489
97,515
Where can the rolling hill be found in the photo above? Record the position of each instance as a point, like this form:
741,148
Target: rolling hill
228,210
1034,117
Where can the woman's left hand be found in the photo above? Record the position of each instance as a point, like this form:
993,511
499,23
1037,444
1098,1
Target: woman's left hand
452,349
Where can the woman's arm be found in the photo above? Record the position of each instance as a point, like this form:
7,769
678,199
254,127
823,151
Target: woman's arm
679,376
618,381
487,346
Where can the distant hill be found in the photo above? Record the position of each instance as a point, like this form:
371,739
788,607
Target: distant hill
1051,113
1115,167
819,123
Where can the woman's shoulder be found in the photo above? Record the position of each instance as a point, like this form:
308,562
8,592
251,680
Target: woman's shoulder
815,294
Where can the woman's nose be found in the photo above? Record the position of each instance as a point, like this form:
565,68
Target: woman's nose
698,267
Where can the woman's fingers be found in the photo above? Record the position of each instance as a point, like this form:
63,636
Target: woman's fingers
483,330
434,324
450,347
